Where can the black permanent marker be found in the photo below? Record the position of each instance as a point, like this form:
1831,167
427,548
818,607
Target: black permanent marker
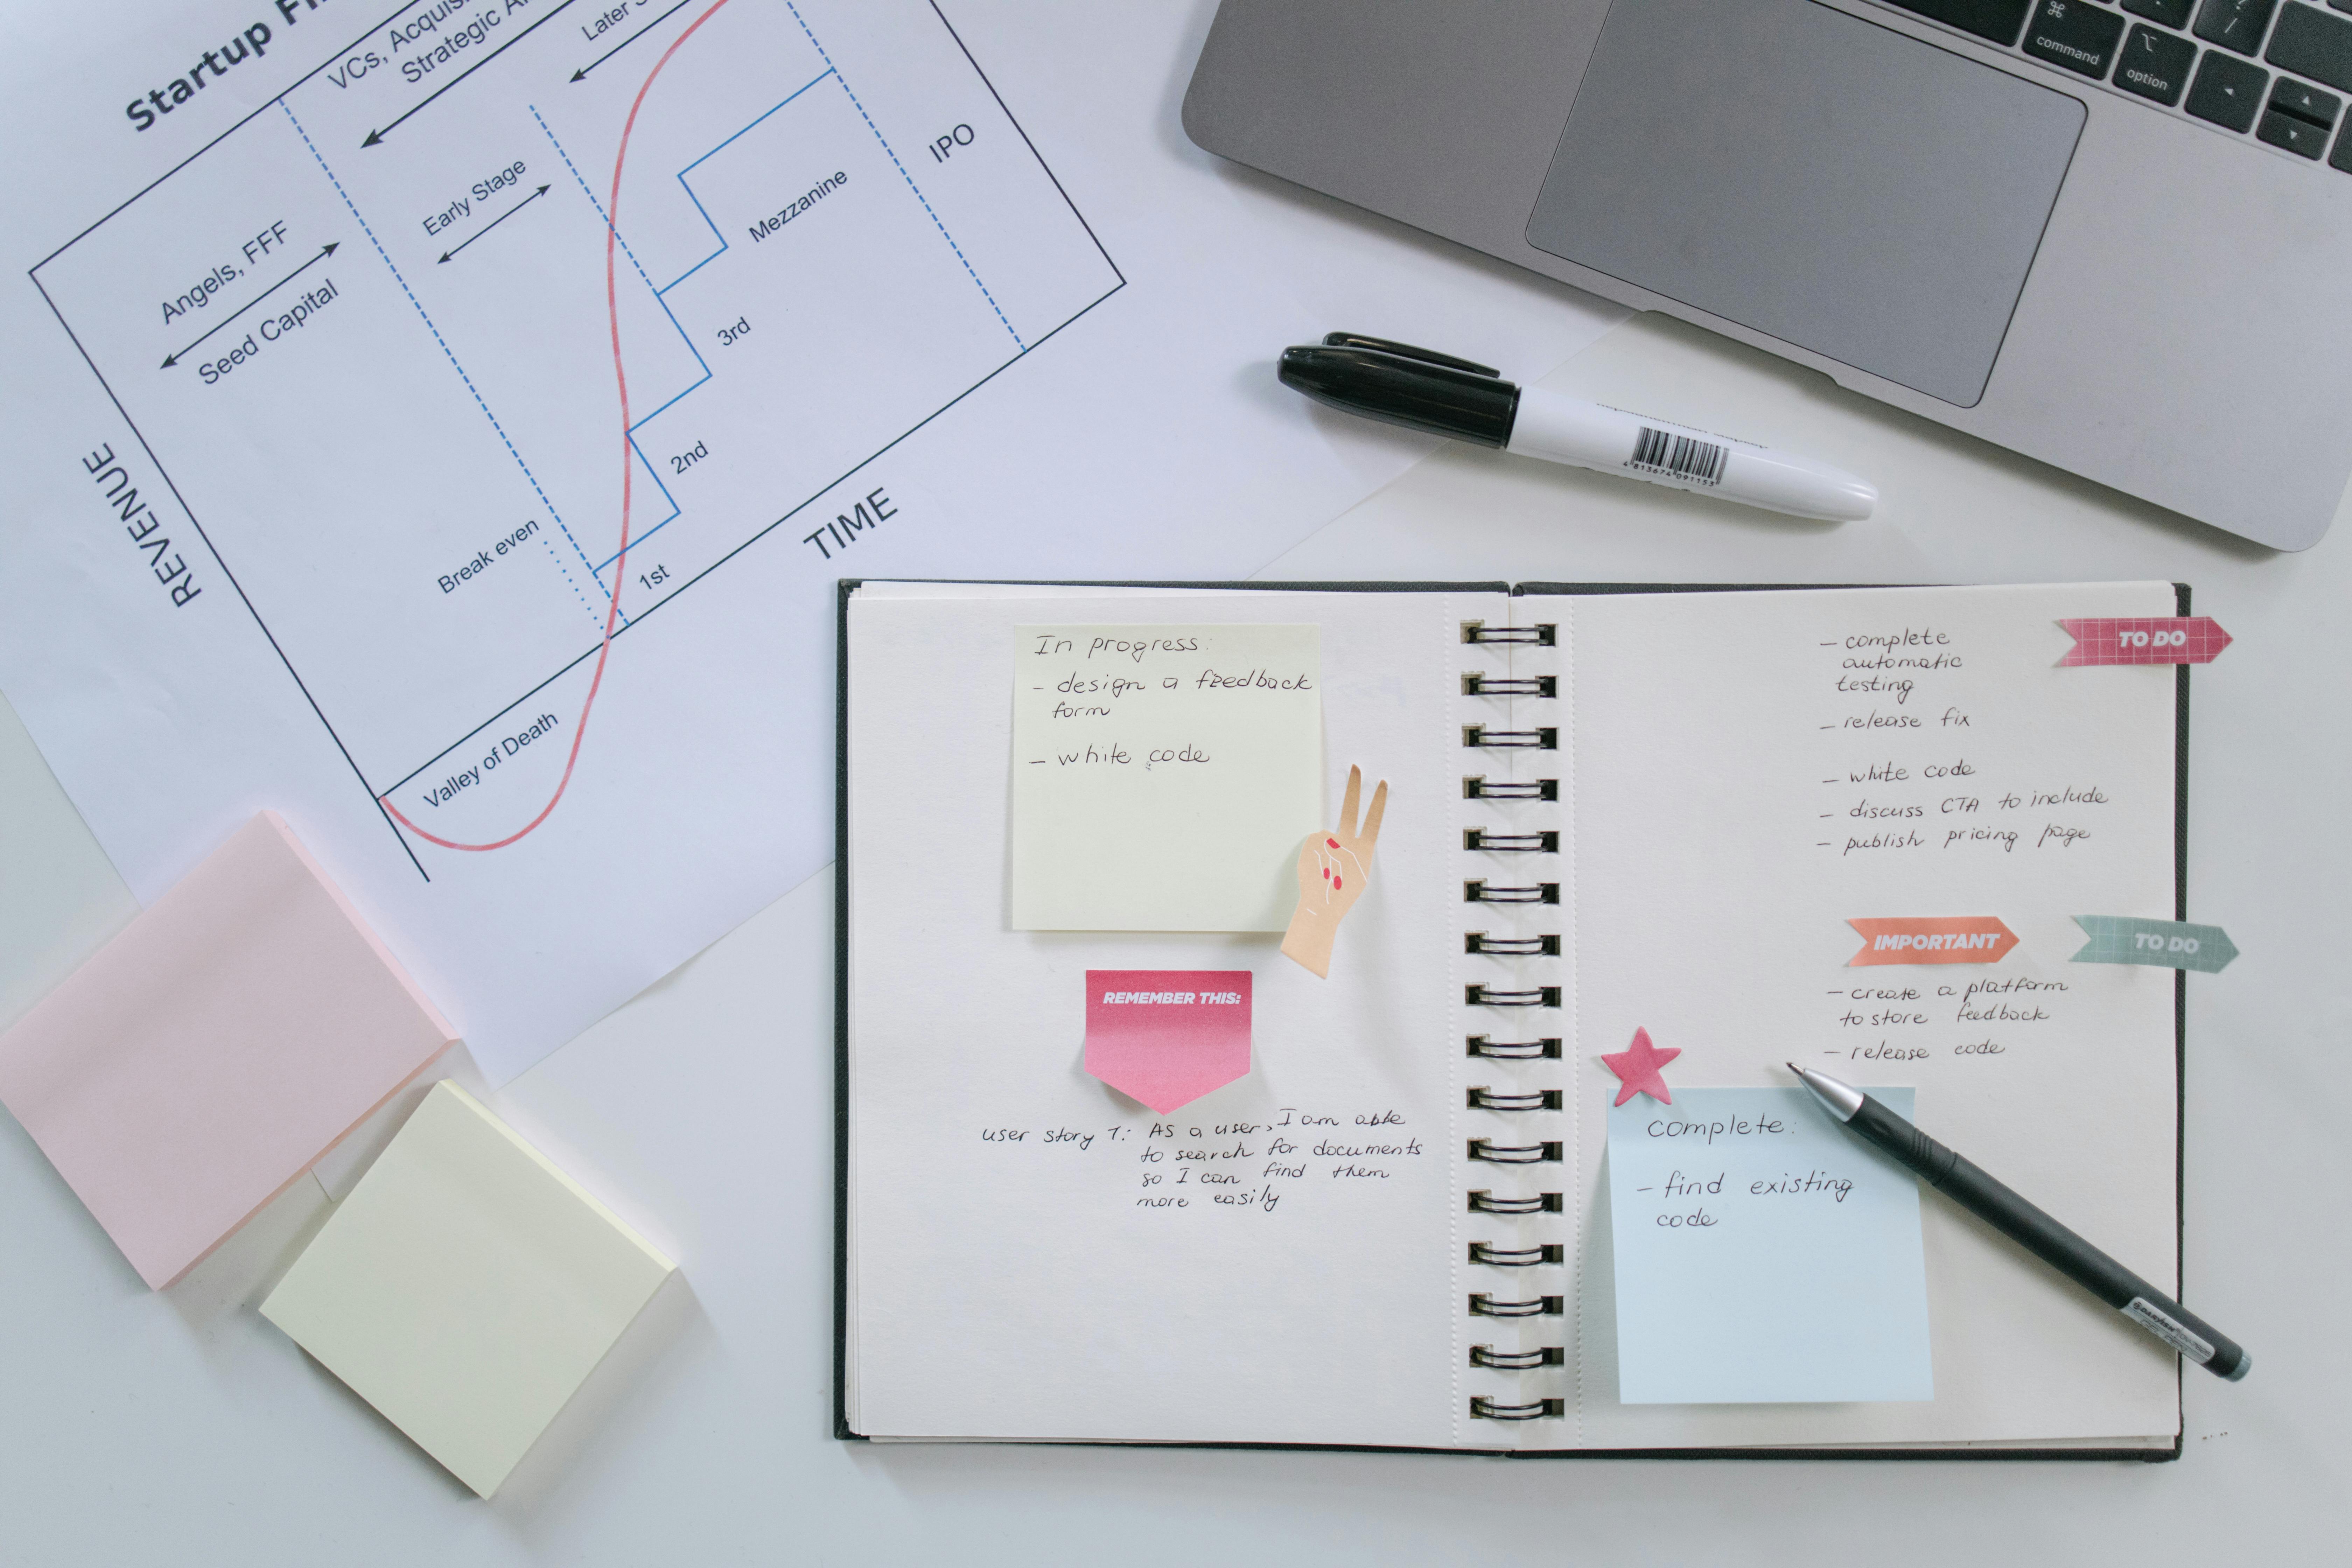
1399,384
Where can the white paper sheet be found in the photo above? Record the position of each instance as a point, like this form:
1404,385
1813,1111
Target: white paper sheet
1147,1303
1750,772
902,289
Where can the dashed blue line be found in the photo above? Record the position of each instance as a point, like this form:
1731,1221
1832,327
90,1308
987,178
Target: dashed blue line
587,191
479,403
906,176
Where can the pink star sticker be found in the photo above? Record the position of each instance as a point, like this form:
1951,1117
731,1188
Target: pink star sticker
1637,1068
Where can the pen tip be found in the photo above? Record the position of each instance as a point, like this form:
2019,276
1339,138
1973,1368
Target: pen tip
1794,1068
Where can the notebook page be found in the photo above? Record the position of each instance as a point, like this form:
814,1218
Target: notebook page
1753,769
1007,1278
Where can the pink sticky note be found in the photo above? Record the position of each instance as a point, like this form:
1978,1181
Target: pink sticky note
181,1079
1167,1036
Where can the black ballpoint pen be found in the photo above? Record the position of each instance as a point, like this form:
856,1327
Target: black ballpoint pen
1993,1202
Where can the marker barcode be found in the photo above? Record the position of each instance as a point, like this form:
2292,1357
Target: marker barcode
1678,457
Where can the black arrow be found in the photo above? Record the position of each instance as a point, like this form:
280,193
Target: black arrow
171,360
632,39
377,135
493,223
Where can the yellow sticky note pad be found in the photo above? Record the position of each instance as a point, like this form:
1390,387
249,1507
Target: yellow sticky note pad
1164,776
466,1288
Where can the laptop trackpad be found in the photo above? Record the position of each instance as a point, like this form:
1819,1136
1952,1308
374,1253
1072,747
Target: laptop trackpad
1811,176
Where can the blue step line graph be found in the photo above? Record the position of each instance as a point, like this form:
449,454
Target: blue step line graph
659,290
690,168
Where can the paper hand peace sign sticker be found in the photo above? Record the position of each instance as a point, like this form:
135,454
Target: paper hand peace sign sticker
1334,868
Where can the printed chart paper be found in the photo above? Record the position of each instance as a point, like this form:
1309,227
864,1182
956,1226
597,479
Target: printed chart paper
1164,776
1763,1253
466,1288
209,1054
321,463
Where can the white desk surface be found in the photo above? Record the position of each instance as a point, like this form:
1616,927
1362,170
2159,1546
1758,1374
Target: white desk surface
182,1428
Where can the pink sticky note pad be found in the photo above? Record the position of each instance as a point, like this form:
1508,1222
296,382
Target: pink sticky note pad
1167,1036
181,1079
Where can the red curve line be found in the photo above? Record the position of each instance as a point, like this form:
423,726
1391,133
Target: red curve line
629,469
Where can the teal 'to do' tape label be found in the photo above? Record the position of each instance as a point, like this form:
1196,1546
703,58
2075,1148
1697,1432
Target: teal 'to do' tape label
2166,944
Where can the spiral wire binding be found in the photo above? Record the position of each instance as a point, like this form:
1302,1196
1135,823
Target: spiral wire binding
1514,840
1494,1153
1543,946
1514,1256
1478,683
1545,740
1545,1049
1483,1099
1476,891
1482,996
1476,787
1484,1202
1479,840
1544,635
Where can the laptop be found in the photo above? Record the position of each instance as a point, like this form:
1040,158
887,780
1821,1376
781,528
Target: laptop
2115,237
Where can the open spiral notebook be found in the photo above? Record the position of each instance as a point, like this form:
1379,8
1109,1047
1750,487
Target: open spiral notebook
1609,808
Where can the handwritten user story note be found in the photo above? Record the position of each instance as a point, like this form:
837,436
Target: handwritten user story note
1763,1253
1164,776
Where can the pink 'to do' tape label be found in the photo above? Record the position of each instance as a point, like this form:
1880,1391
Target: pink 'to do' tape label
1167,1036
2144,640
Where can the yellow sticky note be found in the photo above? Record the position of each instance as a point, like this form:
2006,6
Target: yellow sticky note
466,1288
1164,776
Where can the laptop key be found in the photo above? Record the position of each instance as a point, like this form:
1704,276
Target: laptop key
2309,42
2156,65
1999,20
2304,103
2236,24
2228,92
2171,13
2298,136
2076,35
2343,159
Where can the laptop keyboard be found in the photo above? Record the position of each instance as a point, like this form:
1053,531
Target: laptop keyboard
2252,67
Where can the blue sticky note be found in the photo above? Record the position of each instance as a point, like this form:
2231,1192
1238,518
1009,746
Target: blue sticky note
1763,1253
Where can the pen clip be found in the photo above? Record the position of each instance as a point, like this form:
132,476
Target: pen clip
1406,351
